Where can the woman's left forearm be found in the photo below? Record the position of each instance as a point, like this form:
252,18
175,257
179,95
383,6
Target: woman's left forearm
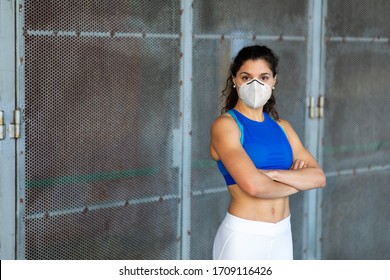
301,179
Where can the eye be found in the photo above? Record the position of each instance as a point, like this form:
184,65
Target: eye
245,78
264,78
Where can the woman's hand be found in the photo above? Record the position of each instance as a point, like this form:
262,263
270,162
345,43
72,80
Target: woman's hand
298,164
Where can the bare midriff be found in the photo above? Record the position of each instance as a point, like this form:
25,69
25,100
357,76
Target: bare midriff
248,207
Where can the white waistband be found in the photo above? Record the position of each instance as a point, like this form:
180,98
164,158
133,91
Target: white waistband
256,227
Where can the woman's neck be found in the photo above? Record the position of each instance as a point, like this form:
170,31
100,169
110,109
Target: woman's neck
253,114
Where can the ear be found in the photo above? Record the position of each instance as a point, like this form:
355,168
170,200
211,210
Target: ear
234,81
276,76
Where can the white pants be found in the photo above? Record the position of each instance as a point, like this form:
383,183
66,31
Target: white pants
241,239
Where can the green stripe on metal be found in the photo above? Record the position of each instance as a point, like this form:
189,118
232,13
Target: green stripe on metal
203,163
373,146
106,176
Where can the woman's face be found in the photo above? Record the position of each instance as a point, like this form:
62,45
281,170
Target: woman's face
251,69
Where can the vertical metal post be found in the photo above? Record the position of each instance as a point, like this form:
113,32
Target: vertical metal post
321,125
314,57
7,146
20,144
186,103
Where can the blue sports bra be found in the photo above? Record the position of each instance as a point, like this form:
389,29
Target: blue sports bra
265,142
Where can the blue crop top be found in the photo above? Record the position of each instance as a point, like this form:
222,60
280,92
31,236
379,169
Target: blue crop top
265,142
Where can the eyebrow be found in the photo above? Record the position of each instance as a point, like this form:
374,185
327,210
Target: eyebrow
246,73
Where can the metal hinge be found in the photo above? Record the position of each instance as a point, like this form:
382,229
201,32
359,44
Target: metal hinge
2,126
316,112
15,127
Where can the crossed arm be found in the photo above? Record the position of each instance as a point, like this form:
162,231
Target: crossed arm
304,174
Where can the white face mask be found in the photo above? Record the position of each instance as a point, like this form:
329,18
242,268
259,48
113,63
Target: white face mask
255,93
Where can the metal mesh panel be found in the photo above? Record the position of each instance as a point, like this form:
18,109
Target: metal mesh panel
103,16
357,217
257,17
220,32
356,134
358,18
99,121
357,98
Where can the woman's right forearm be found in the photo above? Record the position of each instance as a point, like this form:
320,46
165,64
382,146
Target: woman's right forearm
271,189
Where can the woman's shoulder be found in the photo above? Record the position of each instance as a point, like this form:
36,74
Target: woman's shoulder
289,130
224,123
284,123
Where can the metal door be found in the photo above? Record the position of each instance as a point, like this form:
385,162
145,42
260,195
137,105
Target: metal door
356,132
101,84
7,140
220,29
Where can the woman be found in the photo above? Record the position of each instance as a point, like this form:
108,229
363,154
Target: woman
262,160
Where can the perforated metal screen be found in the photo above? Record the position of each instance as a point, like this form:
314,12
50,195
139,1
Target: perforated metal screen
102,85
356,152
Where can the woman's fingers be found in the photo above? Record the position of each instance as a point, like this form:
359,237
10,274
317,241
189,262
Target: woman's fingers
298,164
